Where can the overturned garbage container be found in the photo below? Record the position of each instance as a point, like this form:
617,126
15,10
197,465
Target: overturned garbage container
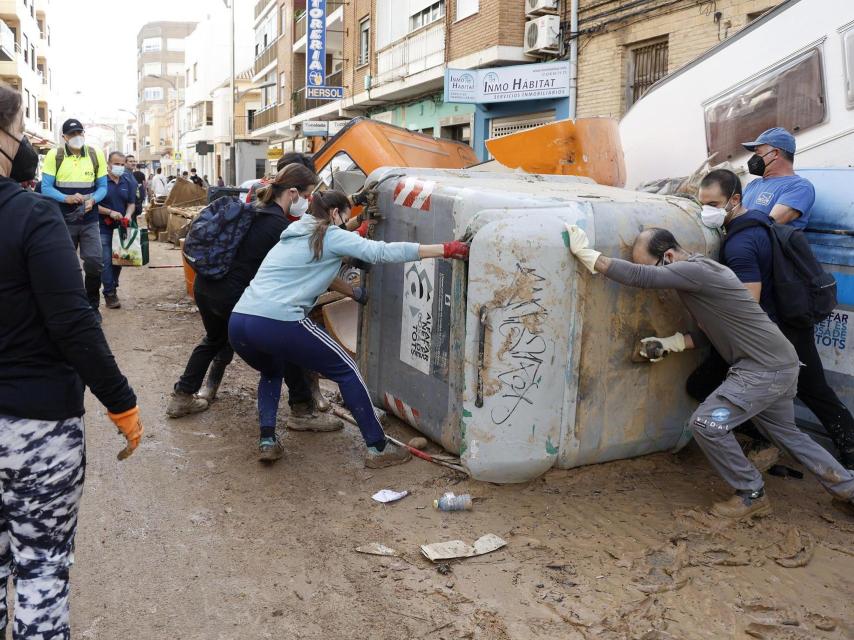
520,360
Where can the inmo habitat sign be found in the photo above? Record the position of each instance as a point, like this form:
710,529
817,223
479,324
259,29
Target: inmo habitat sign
506,84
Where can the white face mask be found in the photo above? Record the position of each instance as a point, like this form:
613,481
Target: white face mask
76,142
117,170
299,208
713,217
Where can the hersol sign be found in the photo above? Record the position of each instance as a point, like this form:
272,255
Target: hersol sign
507,84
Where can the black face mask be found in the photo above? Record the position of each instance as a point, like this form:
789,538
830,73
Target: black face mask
756,165
25,162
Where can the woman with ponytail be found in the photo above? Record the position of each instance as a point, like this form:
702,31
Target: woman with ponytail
270,328
279,204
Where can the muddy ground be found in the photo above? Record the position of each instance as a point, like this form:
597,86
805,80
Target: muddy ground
193,539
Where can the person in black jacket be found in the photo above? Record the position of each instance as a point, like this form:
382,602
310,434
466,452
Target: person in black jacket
216,298
51,345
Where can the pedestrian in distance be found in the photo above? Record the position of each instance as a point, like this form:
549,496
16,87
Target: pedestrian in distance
51,347
158,183
220,182
75,176
215,299
747,251
270,328
763,374
141,182
194,178
116,212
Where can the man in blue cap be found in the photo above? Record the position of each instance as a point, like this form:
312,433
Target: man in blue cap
778,192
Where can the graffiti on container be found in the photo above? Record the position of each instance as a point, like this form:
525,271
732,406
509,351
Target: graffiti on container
523,348
416,327
831,341
419,345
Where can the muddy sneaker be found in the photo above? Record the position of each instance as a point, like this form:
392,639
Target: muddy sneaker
305,418
388,457
183,404
270,449
765,458
744,504
112,301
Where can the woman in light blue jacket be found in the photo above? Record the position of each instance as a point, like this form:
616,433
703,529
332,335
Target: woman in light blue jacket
271,331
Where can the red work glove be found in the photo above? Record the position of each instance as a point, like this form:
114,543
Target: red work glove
456,250
362,230
108,221
130,426
125,222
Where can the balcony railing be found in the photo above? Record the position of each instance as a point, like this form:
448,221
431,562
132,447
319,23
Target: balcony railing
7,43
300,104
417,52
263,118
301,22
267,56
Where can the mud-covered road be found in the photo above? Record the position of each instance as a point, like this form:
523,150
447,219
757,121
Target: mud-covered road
193,539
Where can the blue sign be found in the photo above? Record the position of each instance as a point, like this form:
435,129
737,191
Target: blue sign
315,57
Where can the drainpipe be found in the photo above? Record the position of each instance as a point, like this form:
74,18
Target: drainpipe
573,58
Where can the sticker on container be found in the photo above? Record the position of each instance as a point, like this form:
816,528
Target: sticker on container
416,324
831,340
414,193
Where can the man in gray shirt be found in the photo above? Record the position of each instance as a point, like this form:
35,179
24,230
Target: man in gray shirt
763,375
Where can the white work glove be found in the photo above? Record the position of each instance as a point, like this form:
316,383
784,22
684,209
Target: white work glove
672,344
579,247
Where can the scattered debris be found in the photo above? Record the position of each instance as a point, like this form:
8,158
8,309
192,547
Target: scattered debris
459,549
418,442
389,495
794,550
377,549
443,568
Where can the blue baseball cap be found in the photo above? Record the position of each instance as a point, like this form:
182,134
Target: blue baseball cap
776,137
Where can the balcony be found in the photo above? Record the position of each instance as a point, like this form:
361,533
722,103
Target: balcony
265,58
417,52
301,20
263,118
7,43
301,105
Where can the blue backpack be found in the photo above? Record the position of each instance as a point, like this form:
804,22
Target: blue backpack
216,234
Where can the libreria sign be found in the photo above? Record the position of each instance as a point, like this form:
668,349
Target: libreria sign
315,68
505,84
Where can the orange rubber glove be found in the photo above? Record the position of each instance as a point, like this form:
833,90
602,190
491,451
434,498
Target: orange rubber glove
129,425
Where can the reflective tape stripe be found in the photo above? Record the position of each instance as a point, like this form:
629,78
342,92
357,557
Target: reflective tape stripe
74,185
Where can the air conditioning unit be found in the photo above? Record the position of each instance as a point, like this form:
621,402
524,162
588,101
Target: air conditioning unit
542,36
540,7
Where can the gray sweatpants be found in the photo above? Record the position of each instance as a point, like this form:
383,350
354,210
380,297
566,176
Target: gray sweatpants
88,238
768,398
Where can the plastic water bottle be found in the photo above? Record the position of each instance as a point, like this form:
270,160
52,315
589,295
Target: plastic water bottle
450,502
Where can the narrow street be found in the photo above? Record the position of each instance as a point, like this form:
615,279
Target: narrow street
193,539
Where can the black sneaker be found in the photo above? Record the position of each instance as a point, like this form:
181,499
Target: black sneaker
112,301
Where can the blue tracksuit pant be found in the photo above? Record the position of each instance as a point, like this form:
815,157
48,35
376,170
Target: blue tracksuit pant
280,349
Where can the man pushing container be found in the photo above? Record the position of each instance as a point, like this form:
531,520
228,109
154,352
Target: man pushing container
763,367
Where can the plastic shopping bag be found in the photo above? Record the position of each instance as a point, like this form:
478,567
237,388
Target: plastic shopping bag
127,247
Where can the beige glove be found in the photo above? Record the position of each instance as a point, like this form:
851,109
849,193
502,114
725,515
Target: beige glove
672,344
579,247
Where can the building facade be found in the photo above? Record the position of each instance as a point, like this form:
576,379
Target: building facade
624,47
160,86
26,63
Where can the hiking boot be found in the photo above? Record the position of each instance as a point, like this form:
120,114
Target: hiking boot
183,404
270,449
112,301
765,458
388,457
744,504
212,382
306,418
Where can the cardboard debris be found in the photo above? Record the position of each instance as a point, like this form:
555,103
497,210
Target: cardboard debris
180,219
389,495
377,549
459,549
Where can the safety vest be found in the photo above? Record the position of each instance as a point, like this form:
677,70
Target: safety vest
77,174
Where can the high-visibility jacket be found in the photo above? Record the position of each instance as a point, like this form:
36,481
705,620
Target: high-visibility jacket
77,174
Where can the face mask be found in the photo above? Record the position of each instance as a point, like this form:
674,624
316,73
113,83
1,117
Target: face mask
76,142
25,162
713,217
756,165
117,170
299,208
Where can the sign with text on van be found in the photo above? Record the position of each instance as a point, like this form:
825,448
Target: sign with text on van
507,84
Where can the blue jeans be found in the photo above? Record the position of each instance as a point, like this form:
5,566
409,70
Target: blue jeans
109,274
278,349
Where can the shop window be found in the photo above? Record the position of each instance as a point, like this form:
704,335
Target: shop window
364,40
789,96
647,65
343,169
